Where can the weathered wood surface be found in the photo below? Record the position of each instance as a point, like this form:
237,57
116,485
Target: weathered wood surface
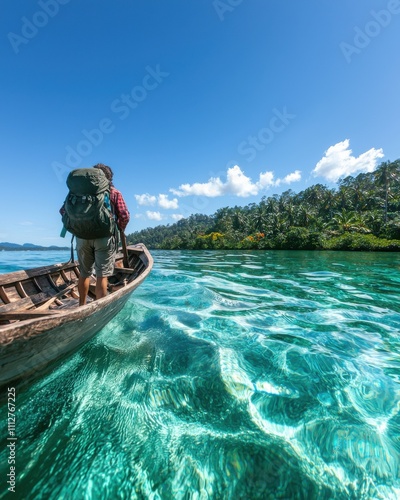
21,276
25,303
29,345
48,302
18,315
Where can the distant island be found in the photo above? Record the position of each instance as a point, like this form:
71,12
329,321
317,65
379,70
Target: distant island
362,213
28,246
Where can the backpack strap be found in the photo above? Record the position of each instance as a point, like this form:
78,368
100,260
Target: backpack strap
72,249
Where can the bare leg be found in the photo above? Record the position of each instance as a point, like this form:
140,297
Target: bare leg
101,287
83,289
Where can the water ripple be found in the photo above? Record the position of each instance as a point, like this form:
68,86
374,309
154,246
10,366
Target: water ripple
229,375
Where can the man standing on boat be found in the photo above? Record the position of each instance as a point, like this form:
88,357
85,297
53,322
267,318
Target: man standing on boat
99,252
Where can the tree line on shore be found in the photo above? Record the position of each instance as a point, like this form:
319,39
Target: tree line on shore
362,213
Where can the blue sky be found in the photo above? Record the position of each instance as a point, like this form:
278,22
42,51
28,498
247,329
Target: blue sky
195,104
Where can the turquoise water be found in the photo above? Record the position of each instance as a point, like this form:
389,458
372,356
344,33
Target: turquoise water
228,375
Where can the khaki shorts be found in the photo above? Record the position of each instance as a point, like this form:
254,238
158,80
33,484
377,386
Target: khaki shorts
98,254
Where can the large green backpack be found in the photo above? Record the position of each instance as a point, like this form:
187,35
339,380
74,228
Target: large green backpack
88,212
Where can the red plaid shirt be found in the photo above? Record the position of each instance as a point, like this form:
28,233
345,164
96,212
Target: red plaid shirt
120,209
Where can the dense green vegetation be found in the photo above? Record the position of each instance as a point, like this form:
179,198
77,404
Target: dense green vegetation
362,213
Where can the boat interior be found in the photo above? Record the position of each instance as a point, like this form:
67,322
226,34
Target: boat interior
48,290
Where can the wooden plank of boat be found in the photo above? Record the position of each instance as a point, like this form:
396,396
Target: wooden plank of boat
11,310
19,315
47,303
32,339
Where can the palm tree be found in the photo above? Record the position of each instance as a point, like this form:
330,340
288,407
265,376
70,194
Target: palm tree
305,215
272,204
277,223
239,220
327,204
348,220
223,220
343,197
290,212
386,174
373,220
259,218
314,194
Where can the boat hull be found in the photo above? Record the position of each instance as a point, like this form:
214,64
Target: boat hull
28,348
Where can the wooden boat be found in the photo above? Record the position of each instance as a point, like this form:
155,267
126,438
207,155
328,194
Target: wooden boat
40,320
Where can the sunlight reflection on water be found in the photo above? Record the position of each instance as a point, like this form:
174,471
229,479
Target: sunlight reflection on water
229,375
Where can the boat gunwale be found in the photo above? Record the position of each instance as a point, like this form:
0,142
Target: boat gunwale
24,274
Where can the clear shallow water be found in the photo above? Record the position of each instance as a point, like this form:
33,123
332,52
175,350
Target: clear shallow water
228,375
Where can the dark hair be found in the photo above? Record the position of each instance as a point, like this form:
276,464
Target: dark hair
107,171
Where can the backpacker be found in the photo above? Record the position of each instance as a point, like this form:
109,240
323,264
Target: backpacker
88,213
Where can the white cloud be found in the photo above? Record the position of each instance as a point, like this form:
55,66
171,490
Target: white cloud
177,216
161,200
288,179
164,202
214,187
339,162
266,180
153,215
145,199
237,184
